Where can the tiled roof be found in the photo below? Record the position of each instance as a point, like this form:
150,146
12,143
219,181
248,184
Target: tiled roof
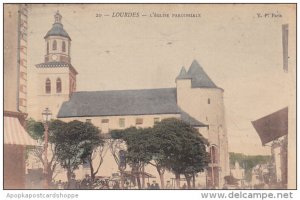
124,102
121,102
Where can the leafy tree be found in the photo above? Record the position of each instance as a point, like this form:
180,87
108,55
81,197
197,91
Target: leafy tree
115,146
75,143
248,162
94,148
184,149
171,144
36,131
138,154
137,143
158,150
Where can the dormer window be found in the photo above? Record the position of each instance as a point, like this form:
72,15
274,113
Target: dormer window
54,45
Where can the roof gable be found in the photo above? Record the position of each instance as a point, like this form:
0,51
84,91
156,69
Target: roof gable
183,74
199,77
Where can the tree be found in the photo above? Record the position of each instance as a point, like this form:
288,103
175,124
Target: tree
156,146
36,131
248,162
137,154
184,148
115,146
94,148
75,143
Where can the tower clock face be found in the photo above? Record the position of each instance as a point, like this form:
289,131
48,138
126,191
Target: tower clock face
54,57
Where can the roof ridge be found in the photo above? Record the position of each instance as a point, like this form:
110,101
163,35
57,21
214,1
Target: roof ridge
124,90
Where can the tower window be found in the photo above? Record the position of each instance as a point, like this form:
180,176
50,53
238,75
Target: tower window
58,85
54,45
208,101
48,86
47,47
63,46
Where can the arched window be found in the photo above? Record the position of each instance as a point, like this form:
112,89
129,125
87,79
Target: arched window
47,47
58,85
63,46
54,45
48,86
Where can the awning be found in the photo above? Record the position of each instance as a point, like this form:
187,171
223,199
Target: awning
272,126
15,134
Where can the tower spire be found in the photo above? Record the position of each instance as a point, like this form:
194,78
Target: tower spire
57,17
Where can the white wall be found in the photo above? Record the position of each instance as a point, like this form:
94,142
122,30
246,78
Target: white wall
130,120
207,106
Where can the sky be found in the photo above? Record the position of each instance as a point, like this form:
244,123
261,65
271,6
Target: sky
241,52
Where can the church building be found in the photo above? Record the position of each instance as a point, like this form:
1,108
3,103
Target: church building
195,99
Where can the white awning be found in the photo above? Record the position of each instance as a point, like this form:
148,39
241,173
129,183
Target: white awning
14,133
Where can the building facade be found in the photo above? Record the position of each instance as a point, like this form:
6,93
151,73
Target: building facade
15,96
196,100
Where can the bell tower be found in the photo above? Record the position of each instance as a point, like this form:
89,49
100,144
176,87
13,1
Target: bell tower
58,42
56,76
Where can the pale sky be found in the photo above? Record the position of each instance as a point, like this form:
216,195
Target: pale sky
239,51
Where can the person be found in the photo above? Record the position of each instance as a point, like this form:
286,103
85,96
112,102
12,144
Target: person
184,186
72,184
156,186
168,186
225,186
148,186
116,185
152,187
126,185
135,187
60,185
85,183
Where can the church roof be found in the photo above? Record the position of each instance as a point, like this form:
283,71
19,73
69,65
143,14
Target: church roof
57,28
183,74
124,102
199,77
